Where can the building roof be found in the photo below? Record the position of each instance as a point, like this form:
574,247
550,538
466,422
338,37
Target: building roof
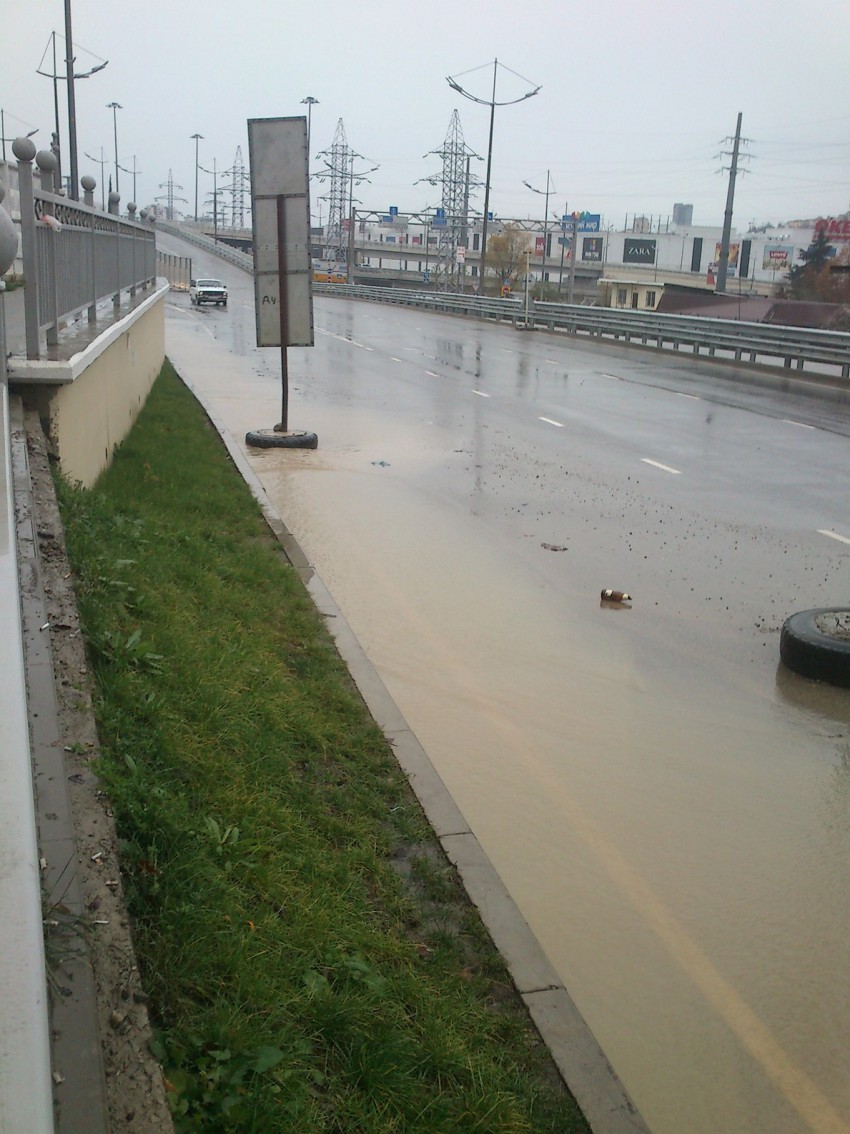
756,309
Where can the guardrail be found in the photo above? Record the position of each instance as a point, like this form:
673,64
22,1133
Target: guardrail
452,303
725,339
740,341
728,339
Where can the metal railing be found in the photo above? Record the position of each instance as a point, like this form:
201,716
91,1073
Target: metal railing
74,256
452,303
176,269
242,260
728,339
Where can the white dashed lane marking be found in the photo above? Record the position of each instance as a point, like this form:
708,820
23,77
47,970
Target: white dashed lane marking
834,535
658,465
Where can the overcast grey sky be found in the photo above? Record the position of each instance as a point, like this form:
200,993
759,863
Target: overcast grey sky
637,106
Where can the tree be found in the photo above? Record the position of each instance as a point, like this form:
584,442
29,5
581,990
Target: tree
806,280
506,255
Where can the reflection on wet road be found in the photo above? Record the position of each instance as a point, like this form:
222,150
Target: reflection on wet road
669,807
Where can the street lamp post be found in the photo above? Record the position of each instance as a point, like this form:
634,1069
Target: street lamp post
214,172
101,161
545,230
134,172
310,102
563,239
492,103
198,138
55,76
4,139
115,106
573,255
72,105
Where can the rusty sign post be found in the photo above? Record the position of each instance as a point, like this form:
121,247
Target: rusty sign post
283,298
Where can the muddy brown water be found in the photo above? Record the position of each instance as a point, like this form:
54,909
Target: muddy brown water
669,808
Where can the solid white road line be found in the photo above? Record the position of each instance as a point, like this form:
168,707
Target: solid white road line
693,397
658,465
801,424
549,421
481,394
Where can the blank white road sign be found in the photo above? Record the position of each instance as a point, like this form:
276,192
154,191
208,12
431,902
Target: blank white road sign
280,195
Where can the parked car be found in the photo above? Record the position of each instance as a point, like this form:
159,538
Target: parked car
208,291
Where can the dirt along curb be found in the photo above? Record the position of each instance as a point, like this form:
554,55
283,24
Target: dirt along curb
106,1081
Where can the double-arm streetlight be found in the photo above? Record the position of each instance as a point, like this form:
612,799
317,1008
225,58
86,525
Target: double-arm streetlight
492,103
543,193
55,76
115,106
198,138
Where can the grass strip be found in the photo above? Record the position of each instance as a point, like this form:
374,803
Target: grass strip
311,960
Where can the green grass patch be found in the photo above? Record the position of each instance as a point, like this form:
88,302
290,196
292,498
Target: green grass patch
311,961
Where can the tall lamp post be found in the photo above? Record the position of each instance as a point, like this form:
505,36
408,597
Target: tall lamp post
198,138
349,266
115,106
214,172
492,103
4,139
101,161
310,102
543,193
134,172
55,76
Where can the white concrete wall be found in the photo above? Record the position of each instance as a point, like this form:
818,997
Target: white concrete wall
90,401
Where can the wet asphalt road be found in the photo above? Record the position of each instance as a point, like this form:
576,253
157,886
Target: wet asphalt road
669,807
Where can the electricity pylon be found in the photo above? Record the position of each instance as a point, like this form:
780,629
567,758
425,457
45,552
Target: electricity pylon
451,224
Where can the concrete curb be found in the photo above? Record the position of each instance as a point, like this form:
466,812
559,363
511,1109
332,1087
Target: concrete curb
25,1082
580,1060
94,1014
80,1089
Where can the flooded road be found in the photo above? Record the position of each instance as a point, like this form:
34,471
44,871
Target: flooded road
668,806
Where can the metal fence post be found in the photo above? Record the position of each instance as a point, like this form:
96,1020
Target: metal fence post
89,184
8,251
131,209
114,199
47,164
24,151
